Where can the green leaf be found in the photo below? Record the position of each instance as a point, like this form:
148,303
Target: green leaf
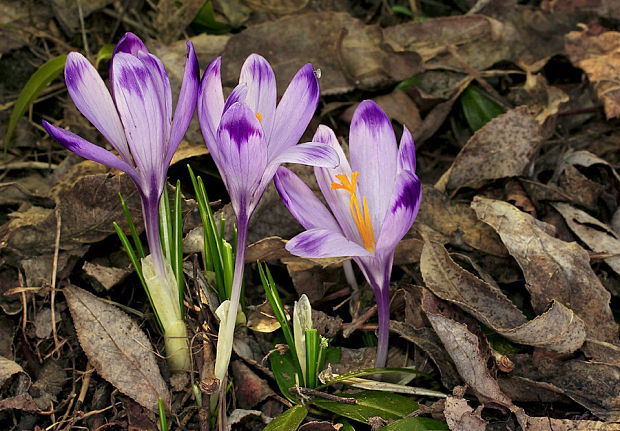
402,10
370,404
478,108
205,20
284,370
416,424
105,53
346,426
35,85
407,83
289,420
163,422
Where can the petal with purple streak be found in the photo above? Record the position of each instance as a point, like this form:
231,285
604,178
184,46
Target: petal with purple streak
338,200
261,98
238,94
186,105
156,69
404,206
302,202
210,105
243,156
142,114
374,153
406,152
90,151
294,111
93,99
129,44
321,243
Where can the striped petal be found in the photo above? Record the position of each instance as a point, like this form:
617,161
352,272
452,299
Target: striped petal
374,155
406,152
321,243
294,111
261,97
302,202
93,99
210,105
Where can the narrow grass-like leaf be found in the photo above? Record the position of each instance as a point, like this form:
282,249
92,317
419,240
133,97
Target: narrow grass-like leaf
289,420
35,85
278,309
312,355
403,10
132,228
205,20
163,422
136,264
165,225
320,362
370,371
177,258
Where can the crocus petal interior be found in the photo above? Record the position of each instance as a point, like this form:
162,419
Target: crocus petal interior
261,97
321,243
210,105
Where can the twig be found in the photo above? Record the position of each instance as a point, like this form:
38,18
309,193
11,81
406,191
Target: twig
358,322
54,271
82,27
314,393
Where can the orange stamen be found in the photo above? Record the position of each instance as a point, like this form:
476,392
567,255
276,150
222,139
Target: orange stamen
361,216
260,117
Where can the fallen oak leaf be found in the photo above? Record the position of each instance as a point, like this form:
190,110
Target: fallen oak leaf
117,348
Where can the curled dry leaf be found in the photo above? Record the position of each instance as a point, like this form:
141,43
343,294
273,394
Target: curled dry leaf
251,389
553,269
597,52
466,353
594,385
427,340
596,235
349,53
587,159
8,369
458,222
461,417
117,348
504,147
557,329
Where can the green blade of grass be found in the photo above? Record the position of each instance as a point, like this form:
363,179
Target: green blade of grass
177,258
35,85
132,228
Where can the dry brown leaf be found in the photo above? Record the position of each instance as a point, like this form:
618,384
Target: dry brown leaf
596,235
282,7
553,424
466,353
8,369
261,318
458,222
594,385
68,15
117,348
266,249
553,269
587,159
504,147
604,8
15,17
251,389
557,329
580,188
350,54
313,276
105,277
597,52
427,340
460,417
173,17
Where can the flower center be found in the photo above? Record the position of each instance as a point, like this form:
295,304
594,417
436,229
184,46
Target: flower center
260,117
361,216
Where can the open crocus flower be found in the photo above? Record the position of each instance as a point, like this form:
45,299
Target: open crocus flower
136,119
373,203
248,138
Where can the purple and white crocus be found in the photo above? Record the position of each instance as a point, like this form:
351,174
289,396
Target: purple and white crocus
136,119
249,136
373,203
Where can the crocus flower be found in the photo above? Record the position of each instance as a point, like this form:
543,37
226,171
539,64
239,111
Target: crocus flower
248,138
136,119
373,203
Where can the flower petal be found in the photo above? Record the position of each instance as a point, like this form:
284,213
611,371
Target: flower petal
243,156
256,72
93,99
308,153
403,209
210,105
238,94
302,202
157,72
320,243
90,151
294,111
140,107
374,153
129,44
186,105
338,200
406,152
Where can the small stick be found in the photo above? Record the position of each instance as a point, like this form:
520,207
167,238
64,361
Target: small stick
314,393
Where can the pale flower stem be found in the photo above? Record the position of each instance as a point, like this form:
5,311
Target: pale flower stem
150,210
382,296
223,356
